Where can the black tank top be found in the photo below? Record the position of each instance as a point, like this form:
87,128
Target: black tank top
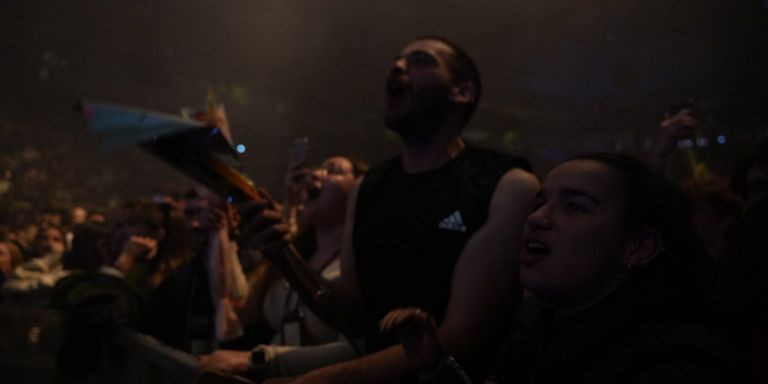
411,228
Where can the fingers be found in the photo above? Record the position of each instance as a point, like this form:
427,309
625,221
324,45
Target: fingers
212,362
210,219
233,216
147,242
684,117
270,236
254,207
298,174
204,362
219,218
218,214
267,231
271,204
262,222
237,362
418,335
251,209
138,246
688,119
264,227
682,125
405,320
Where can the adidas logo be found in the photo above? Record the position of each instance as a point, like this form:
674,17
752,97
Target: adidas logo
453,223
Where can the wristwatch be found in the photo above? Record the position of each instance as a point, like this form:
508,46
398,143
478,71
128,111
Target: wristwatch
258,364
258,358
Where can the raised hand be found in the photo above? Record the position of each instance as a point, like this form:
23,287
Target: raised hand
226,361
675,127
264,228
418,334
137,248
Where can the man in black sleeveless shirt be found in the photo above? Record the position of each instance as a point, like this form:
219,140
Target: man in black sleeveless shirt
438,227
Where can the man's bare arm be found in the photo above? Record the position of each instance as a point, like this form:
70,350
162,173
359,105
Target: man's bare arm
383,367
485,280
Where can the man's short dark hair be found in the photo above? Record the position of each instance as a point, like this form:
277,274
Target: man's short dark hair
463,69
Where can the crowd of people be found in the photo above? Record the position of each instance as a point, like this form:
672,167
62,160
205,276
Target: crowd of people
447,263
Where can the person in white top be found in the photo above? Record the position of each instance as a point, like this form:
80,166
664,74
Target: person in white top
321,209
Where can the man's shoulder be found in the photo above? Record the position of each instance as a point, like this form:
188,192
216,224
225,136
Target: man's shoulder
482,157
491,158
489,171
382,173
391,164
475,166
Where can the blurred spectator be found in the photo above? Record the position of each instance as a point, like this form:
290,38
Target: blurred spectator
97,217
97,302
78,215
677,124
213,225
32,281
715,211
51,217
85,251
750,177
167,274
10,258
23,234
50,240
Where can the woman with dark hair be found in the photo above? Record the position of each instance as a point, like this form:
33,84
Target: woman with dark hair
647,232
614,286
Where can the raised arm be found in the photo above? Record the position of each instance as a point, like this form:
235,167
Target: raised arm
672,128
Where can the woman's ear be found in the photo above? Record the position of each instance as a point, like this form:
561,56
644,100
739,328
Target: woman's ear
644,246
463,93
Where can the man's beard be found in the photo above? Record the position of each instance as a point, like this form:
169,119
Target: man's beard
425,116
